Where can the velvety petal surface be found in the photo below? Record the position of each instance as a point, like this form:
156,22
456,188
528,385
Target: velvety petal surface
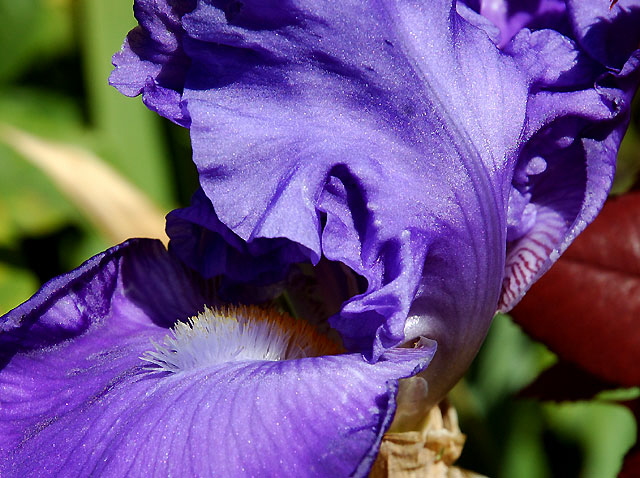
379,135
206,245
86,320
609,34
77,400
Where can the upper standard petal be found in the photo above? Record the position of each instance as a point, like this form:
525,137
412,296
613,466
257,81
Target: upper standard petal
379,135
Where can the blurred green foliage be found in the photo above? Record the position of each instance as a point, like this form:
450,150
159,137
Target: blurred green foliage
628,165
512,437
53,83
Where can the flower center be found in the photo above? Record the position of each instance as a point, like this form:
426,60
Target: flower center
231,334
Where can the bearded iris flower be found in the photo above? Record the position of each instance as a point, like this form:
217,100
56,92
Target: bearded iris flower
445,152
441,155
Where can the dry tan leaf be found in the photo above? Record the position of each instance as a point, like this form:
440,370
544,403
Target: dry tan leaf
115,206
425,453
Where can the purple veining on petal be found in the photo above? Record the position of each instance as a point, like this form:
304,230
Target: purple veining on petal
576,129
72,371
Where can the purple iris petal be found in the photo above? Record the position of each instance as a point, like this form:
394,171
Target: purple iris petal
510,16
598,29
152,61
76,398
582,81
205,244
397,138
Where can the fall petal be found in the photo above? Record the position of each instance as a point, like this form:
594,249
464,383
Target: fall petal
79,398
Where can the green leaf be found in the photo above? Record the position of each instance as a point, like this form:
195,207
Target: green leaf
32,30
132,136
509,360
605,432
628,163
29,204
16,286
509,436
42,112
108,200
